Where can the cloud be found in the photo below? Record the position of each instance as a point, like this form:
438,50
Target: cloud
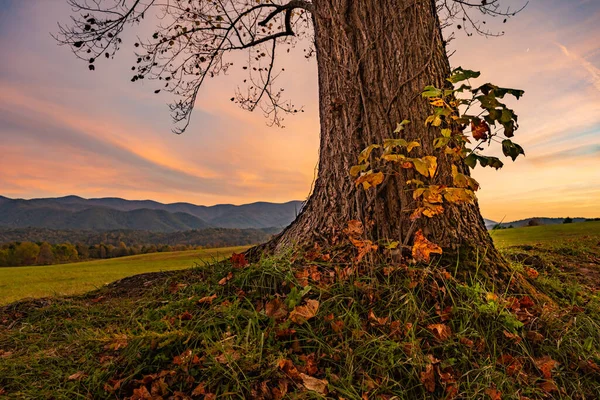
588,66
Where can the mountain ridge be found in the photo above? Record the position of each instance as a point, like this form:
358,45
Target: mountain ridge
109,213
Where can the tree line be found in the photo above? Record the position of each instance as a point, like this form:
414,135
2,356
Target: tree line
16,254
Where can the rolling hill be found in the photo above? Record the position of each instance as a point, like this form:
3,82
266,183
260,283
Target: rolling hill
73,212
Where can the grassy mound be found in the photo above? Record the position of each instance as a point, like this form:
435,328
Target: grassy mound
307,327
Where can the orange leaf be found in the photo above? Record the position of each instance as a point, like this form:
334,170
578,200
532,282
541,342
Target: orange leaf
207,299
493,393
239,260
377,320
512,336
546,364
532,273
428,378
226,279
355,228
364,247
440,331
276,309
185,316
199,390
422,248
301,314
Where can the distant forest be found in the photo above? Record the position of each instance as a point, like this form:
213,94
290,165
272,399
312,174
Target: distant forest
40,246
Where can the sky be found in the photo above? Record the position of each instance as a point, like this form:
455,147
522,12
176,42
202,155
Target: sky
65,130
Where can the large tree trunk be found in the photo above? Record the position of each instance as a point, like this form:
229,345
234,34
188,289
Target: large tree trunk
374,58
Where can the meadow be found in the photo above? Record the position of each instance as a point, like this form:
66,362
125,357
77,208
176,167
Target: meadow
66,279
278,326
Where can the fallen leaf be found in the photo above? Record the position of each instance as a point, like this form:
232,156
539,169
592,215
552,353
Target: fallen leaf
422,248
176,287
276,309
185,316
440,331
526,302
512,336
364,247
377,320
355,228
314,384
548,386
199,390
226,279
77,376
534,336
285,333
183,358
239,260
493,393
532,273
207,299
428,378
546,364
467,342
301,314
289,368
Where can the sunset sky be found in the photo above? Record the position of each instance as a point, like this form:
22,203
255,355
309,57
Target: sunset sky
65,130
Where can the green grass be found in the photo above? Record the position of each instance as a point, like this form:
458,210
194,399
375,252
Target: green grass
548,235
375,334
66,279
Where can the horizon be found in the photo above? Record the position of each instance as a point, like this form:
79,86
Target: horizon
67,130
500,221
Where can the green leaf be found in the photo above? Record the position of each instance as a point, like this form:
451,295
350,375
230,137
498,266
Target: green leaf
431,91
511,149
459,75
471,160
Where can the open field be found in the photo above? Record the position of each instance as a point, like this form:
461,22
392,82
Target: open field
65,279
39,281
229,333
578,234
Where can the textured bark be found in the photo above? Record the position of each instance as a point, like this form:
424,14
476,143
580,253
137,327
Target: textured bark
374,58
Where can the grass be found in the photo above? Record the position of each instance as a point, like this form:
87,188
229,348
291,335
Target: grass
67,279
548,235
380,332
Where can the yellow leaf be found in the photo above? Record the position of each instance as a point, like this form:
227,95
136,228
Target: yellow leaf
438,103
459,195
432,210
393,157
431,164
357,169
421,166
366,153
370,179
412,145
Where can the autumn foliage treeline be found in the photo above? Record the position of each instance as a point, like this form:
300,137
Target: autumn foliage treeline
29,253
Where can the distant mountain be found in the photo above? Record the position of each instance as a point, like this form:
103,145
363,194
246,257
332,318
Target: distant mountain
489,224
540,220
73,212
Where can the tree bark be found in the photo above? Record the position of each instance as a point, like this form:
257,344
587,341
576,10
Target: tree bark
374,57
